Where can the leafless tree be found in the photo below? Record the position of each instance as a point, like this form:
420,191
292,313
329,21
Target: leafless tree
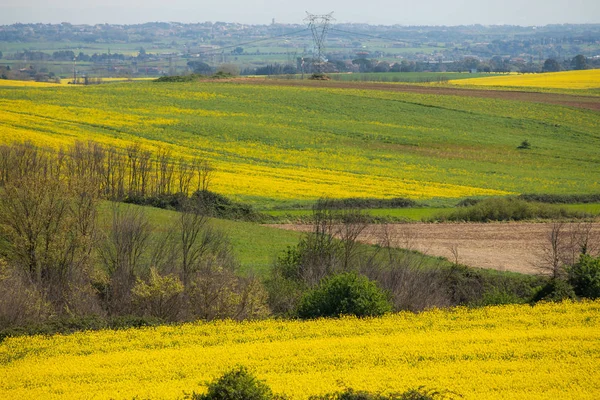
552,257
48,225
564,244
412,285
185,176
134,181
145,168
204,173
350,224
122,254
196,238
454,251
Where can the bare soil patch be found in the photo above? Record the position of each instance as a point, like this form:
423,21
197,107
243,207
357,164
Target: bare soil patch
587,102
514,247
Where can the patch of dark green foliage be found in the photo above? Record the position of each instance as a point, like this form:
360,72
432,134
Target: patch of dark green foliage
561,198
213,204
193,77
585,277
507,209
344,294
236,384
556,290
364,203
480,287
180,78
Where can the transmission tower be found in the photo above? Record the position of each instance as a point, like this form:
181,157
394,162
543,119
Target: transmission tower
319,25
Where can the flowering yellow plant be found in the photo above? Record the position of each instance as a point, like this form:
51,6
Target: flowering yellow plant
549,351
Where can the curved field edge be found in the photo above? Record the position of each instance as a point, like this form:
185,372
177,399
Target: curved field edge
281,144
517,351
582,79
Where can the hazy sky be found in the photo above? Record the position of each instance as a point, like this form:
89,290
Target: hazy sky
415,12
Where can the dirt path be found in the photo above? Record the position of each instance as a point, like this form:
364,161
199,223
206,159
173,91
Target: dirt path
587,102
503,246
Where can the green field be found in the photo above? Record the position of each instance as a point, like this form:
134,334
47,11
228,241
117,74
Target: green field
255,247
277,146
400,214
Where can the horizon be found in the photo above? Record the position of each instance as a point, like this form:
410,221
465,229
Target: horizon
378,12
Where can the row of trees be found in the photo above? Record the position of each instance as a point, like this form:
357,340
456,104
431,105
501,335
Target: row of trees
496,64
115,174
60,257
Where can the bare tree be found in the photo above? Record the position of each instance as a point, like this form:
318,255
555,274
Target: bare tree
195,240
564,245
145,168
204,173
351,223
185,176
552,258
122,255
133,156
48,225
454,251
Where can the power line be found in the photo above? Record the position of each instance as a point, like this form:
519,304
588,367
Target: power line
319,25
220,49
382,38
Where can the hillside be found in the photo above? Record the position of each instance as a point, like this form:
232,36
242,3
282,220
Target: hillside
280,145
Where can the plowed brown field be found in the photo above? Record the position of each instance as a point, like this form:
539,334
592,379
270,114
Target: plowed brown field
588,102
515,247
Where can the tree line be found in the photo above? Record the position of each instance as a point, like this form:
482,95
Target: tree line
61,257
114,173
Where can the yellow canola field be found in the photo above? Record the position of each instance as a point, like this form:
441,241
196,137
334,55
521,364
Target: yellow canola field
550,351
8,82
585,79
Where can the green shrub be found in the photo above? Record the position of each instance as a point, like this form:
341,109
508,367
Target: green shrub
555,290
480,287
344,294
506,209
236,384
499,296
561,198
585,277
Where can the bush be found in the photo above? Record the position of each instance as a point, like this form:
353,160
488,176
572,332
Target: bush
555,290
479,287
585,277
506,209
561,198
159,297
344,294
236,384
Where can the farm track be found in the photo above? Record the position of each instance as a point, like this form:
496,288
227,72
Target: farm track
517,247
586,102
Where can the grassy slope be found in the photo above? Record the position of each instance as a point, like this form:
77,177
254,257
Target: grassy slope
255,246
278,145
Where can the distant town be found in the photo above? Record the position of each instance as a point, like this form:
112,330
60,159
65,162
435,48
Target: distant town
48,52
